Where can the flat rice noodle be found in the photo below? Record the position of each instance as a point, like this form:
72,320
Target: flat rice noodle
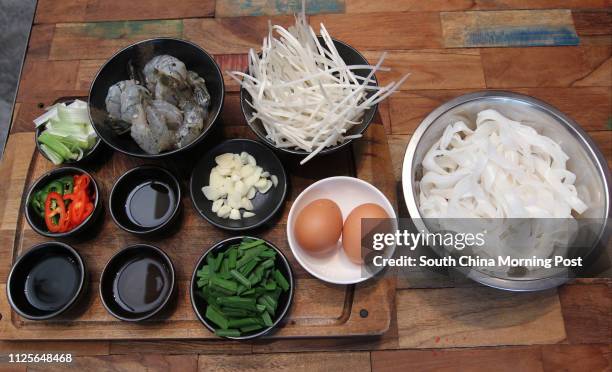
501,169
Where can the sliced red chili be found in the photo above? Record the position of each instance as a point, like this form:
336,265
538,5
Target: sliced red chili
59,209
81,182
80,207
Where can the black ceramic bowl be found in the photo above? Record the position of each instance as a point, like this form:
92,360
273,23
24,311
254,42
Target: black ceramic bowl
116,69
135,210
86,156
350,56
64,291
265,205
137,272
284,301
38,223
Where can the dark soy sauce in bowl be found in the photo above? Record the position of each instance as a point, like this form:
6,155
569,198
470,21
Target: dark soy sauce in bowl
52,282
138,283
141,285
47,281
145,200
150,204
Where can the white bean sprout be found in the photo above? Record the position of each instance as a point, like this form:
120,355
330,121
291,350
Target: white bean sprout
302,91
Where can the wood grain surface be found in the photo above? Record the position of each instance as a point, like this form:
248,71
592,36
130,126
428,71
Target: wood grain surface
567,329
508,28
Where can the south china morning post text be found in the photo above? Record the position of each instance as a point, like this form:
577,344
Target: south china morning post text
458,241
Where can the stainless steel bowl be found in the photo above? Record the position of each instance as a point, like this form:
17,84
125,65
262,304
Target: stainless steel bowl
586,161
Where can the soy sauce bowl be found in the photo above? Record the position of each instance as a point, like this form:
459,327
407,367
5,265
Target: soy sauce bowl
137,283
61,267
145,200
284,302
265,205
38,223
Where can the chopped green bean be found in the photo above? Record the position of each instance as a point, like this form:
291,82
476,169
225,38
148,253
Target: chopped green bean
233,255
215,316
243,322
266,319
280,280
237,302
266,304
251,244
248,292
239,277
270,285
210,260
218,261
235,313
223,284
268,254
225,266
251,253
241,287
227,332
204,272
246,269
270,301
251,328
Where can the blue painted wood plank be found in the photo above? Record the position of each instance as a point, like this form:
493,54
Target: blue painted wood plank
239,8
508,28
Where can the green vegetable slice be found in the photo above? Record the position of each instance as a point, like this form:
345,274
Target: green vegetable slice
251,328
216,317
232,258
227,332
280,280
266,319
239,277
243,322
241,287
223,284
251,244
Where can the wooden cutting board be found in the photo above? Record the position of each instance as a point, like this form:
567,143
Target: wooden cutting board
319,309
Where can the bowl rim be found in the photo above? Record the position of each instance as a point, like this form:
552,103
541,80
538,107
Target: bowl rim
292,212
82,225
224,244
33,250
86,156
117,256
575,129
128,173
193,143
327,150
261,222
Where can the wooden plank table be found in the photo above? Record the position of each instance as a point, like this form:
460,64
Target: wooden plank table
555,50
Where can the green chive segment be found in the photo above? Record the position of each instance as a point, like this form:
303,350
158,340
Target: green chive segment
241,286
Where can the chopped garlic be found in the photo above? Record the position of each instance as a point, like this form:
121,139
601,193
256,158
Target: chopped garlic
233,182
234,214
217,204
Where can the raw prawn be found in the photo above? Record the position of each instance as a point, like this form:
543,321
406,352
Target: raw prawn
167,113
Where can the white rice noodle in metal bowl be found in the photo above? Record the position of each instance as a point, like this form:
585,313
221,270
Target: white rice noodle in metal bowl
517,165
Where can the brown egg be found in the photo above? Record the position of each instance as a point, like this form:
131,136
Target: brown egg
318,226
352,234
